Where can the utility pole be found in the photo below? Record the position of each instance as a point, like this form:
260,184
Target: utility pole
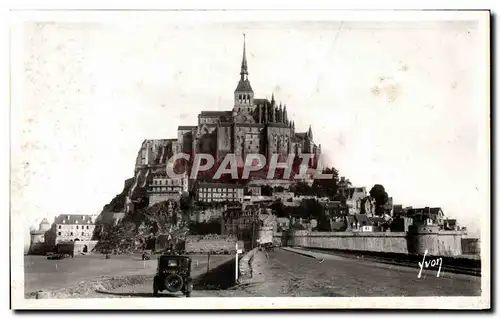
238,251
253,228
208,263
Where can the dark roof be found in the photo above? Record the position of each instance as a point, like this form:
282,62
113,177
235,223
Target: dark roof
301,135
298,226
215,113
244,86
187,127
334,204
261,101
419,211
73,219
377,219
363,219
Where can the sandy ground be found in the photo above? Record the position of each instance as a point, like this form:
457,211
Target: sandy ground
44,274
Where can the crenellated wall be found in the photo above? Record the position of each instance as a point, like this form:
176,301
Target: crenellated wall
420,239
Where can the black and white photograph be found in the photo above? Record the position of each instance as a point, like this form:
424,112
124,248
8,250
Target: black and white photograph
250,159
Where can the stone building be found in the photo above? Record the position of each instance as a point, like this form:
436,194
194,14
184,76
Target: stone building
254,125
68,233
242,222
219,192
39,238
163,188
73,228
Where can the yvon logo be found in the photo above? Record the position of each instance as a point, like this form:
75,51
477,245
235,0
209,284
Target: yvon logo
430,263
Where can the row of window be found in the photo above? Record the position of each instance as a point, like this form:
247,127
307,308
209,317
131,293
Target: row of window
217,190
173,182
233,199
243,98
71,234
165,189
83,227
217,195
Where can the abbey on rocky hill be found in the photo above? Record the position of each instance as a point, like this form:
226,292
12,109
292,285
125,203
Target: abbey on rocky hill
253,126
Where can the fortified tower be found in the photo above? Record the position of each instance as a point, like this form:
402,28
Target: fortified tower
428,237
38,244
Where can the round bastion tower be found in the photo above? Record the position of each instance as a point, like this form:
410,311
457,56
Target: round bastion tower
37,238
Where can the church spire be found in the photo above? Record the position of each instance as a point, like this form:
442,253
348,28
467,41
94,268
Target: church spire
244,66
309,133
280,114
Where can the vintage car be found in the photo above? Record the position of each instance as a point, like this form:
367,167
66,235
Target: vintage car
173,275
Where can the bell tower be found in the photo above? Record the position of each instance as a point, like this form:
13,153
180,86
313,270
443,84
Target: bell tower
243,95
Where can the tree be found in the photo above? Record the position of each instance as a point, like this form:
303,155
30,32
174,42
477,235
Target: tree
266,190
327,187
186,202
279,209
343,186
381,198
303,189
279,189
312,209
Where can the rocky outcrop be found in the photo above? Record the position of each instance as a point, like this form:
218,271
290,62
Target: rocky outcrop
143,224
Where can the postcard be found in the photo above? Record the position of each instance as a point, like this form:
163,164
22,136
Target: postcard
250,159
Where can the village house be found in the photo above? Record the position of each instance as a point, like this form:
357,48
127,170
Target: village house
163,187
219,192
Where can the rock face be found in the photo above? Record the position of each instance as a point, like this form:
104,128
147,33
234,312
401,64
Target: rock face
127,223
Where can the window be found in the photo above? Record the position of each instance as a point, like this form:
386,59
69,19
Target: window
59,234
59,226
76,227
83,234
71,234
87,227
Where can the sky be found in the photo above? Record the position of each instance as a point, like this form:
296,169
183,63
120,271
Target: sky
393,103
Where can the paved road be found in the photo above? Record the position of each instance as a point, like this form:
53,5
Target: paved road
290,274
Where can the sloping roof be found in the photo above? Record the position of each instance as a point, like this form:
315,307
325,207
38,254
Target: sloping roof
333,204
215,113
44,221
244,86
424,211
379,220
363,219
301,135
261,101
282,219
298,226
187,127
73,219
